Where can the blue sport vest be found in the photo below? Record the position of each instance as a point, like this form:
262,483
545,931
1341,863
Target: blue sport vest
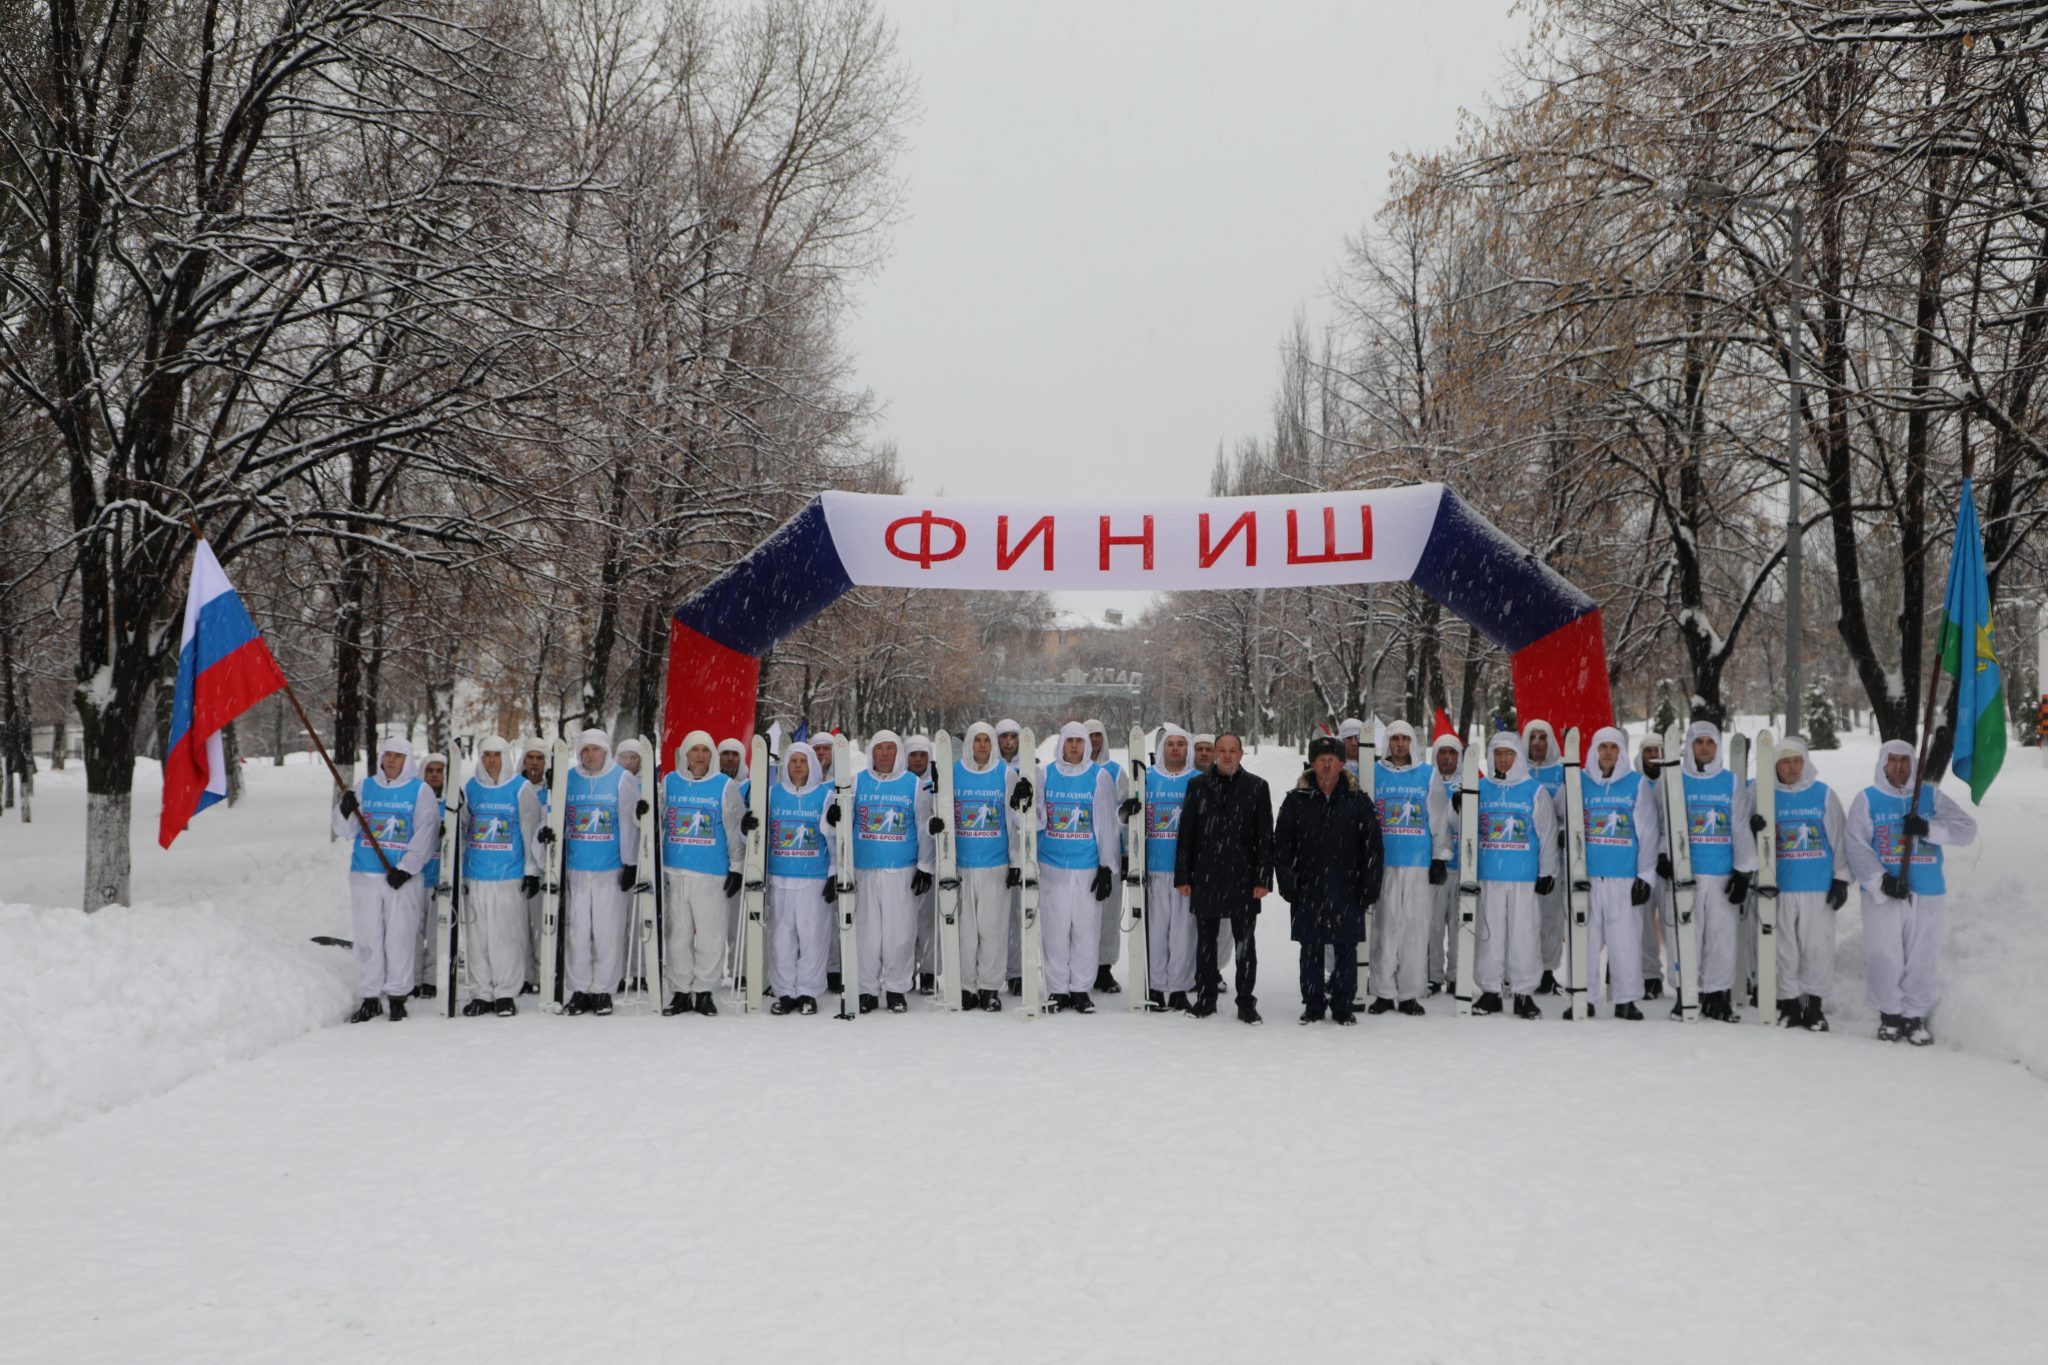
1402,795
1507,831
980,839
1611,833
693,824
1068,841
594,820
1806,860
1551,775
1710,822
796,831
1450,785
884,816
1165,795
390,812
1888,837
491,847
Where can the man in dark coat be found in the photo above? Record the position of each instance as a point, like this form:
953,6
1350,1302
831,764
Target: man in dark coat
1326,851
1224,866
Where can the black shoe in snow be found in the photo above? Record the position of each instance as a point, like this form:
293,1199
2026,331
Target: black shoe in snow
1752,996
1156,999
1548,985
398,1008
1177,1001
424,991
579,1003
1728,1014
927,983
602,1004
807,1004
1344,1017
368,1010
869,1004
835,983
1411,1007
897,1004
970,1000
1016,985
1055,1004
529,989
1890,1028
679,1003
1653,988
506,1008
1628,1011
991,1002
1525,1008
784,1004
1812,1020
1105,981
1380,1005
1080,1002
1791,1013
1203,1007
1248,1013
475,1008
705,1004
1311,1014
1917,1032
1436,988
1487,1003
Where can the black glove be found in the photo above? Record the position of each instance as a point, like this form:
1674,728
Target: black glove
529,885
397,877
1738,888
1457,798
1838,894
920,882
1014,877
1102,883
1545,885
1894,886
1756,823
936,825
1914,826
749,822
628,874
349,805
1131,806
733,882
1639,894
1438,871
641,809
832,814
546,834
831,889
1664,866
1020,795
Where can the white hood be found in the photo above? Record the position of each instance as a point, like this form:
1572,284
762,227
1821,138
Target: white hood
1351,727
692,741
1643,755
980,727
810,761
1007,726
1556,754
1506,739
1793,744
411,769
1607,734
875,741
1073,729
1886,750
1438,745
1172,731
584,741
1399,727
508,765
1693,732
731,746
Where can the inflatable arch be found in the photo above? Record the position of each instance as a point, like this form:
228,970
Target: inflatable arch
1422,534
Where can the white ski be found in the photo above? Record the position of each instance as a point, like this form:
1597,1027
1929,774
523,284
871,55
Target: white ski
1737,762
554,880
1024,852
1468,882
647,892
1578,880
1678,847
448,895
753,924
1368,779
1138,967
952,977
1767,880
844,766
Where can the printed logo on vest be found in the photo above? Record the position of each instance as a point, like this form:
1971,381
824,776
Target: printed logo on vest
1707,824
796,838
1162,821
591,823
1401,815
1610,827
390,831
1800,837
884,824
1891,843
1503,830
980,818
490,833
1069,819
687,825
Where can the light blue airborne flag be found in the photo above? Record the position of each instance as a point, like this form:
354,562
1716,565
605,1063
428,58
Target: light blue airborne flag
1967,655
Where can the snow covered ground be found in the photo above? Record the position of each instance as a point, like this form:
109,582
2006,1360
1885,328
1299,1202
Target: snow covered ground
933,1187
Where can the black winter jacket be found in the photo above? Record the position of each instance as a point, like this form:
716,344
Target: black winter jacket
1326,850
1226,843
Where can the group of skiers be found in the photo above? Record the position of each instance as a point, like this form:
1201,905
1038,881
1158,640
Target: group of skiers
1372,863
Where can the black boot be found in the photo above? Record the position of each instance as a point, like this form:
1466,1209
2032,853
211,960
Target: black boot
397,1008
1080,1002
1525,1008
505,1008
1917,1032
423,991
1412,1007
1728,1014
1056,1004
807,1004
868,1004
1548,985
1204,1006
529,989
835,982
785,1004
1311,1014
1341,1014
1487,1003
1016,985
705,1004
970,1000
1156,999
475,1008
897,1004
1177,1000
368,1010
602,1004
1105,981
679,1003
579,1003
927,983
1436,988
1380,1005
1628,1011
1811,1019
1653,988
991,1002
1248,1011
1791,1014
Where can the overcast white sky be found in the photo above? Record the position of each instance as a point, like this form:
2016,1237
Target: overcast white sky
1115,210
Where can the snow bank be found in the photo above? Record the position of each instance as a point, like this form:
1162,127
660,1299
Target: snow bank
106,1009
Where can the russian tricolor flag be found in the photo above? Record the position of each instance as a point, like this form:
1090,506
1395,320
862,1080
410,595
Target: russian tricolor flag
224,668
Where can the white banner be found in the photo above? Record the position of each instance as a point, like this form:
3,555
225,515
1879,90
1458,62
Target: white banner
1290,541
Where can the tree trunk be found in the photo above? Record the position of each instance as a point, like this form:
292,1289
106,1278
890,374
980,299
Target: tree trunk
231,754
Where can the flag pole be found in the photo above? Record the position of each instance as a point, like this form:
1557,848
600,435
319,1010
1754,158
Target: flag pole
1934,672
362,820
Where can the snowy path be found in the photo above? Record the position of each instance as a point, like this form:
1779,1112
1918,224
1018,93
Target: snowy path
1067,1189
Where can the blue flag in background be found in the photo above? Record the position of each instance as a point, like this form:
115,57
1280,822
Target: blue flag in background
1968,656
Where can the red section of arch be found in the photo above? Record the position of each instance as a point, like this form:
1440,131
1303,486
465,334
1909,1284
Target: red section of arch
1562,678
710,688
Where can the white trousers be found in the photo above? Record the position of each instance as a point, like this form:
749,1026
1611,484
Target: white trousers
1016,948
928,932
1070,924
494,944
1555,920
533,938
387,929
1401,921
885,923
984,927
1656,910
595,923
1110,933
1614,924
1510,945
429,955
1443,930
1806,945
1902,952
803,923
1169,935
1718,922
697,915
